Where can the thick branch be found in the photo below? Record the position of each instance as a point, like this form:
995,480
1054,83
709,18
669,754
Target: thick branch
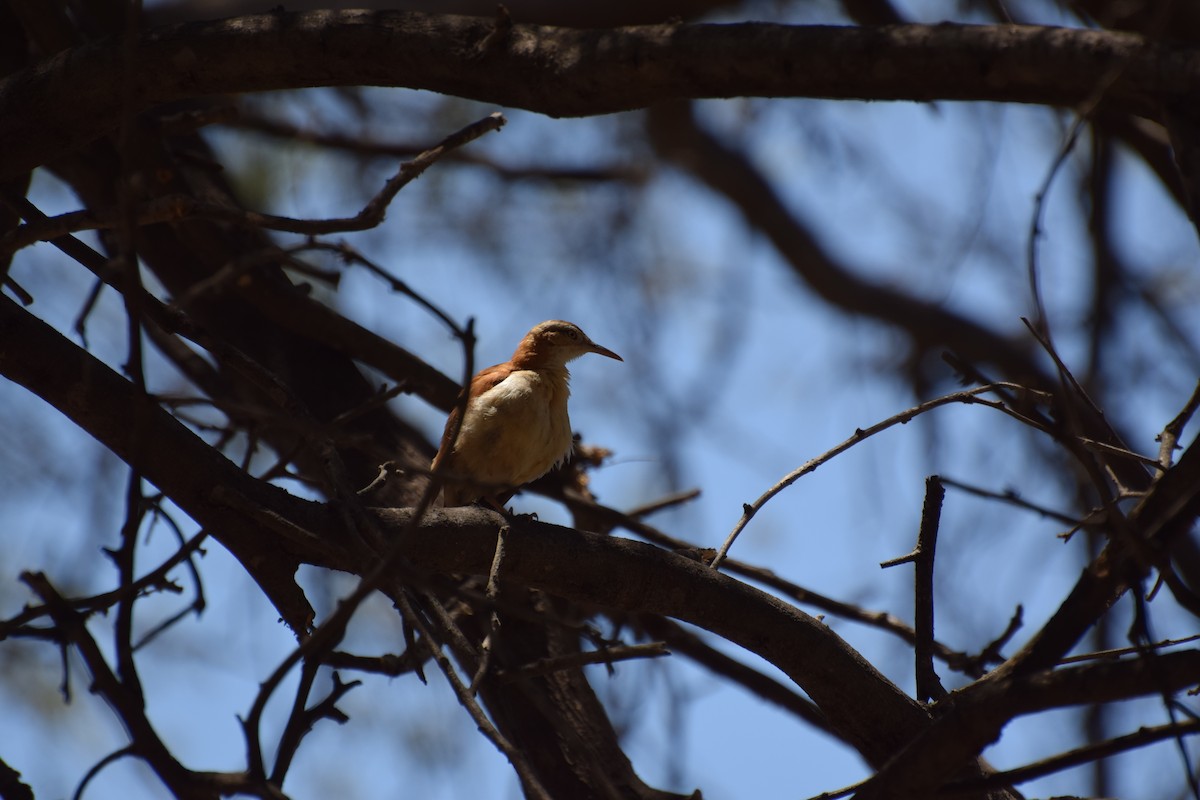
195,476
975,715
632,576
253,519
66,101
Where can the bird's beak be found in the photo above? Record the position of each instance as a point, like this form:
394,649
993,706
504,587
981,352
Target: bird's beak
602,351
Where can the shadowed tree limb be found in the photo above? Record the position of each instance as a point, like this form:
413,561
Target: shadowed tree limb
595,71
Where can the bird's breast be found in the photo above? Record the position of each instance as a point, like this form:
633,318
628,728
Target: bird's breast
516,431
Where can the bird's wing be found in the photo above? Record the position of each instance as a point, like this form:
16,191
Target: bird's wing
483,381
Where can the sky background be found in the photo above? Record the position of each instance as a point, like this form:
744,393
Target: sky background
934,198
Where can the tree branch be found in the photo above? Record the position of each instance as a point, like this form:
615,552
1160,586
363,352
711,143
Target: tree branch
257,522
570,72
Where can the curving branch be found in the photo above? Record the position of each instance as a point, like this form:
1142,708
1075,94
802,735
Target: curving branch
260,523
263,525
975,715
570,72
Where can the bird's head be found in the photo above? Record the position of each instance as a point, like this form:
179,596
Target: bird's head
553,343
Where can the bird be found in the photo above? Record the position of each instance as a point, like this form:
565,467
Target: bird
515,428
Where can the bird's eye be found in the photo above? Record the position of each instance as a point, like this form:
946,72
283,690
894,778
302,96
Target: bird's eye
573,334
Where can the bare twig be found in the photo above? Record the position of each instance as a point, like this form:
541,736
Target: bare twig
330,632
1035,224
881,620
353,256
125,700
302,719
246,120
605,655
444,625
991,653
85,311
493,594
1010,496
100,602
1082,116
1169,438
1123,452
96,769
1124,651
929,686
968,396
663,503
198,602
228,274
1072,758
1105,474
531,785
377,400
386,469
172,208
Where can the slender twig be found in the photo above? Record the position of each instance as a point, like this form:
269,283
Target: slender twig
228,274
376,400
176,207
190,545
330,632
126,703
605,655
296,727
663,503
1010,496
881,620
1124,651
85,311
124,560
493,595
1169,438
1035,223
1082,116
96,768
391,564
1123,452
302,718
991,651
353,256
1071,758
240,118
1104,474
198,603
324,637
1141,635
531,785
1096,517
386,469
445,625
968,396
100,602
929,686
